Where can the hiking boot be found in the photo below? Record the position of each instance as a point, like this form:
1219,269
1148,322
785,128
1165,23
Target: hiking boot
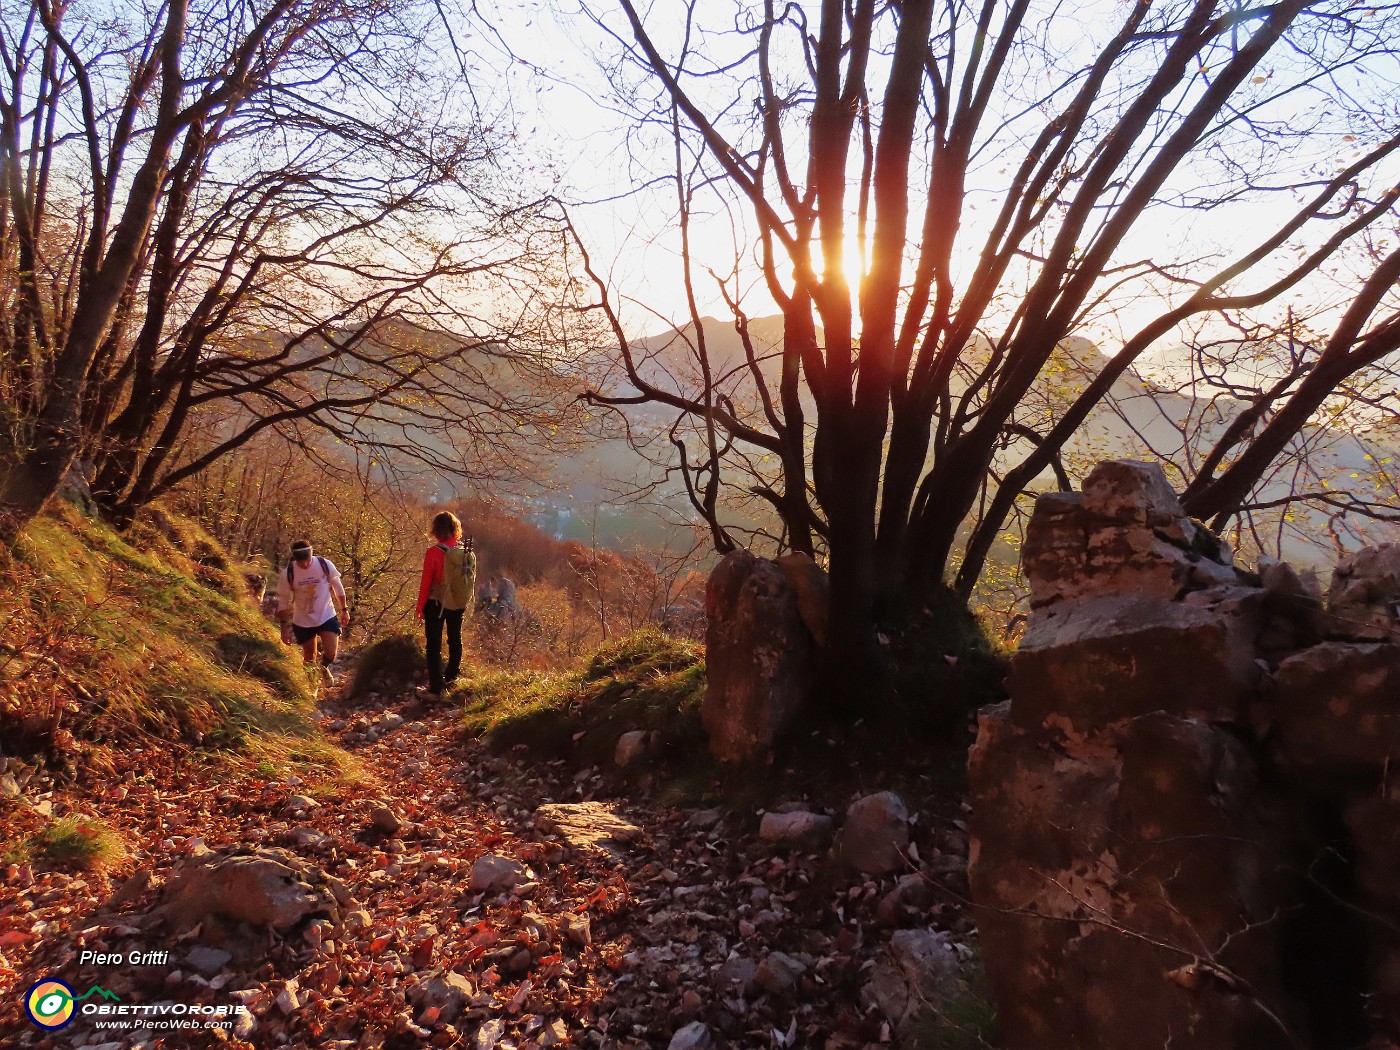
327,675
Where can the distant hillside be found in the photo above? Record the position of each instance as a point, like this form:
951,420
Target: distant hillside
1142,419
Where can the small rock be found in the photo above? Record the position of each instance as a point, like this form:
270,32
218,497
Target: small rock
206,960
287,999
9,787
800,829
129,890
875,839
444,991
359,919
577,929
494,874
735,976
694,1036
301,804
269,888
555,1033
704,819
310,838
385,819
779,974
632,747
390,720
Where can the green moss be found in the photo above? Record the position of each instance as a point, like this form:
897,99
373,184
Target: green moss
647,680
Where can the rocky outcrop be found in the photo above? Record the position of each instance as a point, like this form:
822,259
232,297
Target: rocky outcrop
1364,599
758,657
1157,809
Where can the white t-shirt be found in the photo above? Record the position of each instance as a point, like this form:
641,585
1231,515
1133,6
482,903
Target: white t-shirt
309,593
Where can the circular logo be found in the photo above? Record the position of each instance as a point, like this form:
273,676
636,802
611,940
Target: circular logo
49,1003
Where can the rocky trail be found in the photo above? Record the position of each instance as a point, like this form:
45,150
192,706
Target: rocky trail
450,897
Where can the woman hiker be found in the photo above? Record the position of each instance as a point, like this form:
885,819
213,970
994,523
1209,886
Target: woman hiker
308,594
445,592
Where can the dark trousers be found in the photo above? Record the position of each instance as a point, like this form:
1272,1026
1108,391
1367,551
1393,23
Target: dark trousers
434,617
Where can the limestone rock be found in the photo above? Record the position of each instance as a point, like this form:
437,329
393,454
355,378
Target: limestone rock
268,888
493,874
694,1036
1374,824
1089,852
445,991
735,976
588,826
1125,534
1363,601
759,657
799,829
1095,661
208,961
875,838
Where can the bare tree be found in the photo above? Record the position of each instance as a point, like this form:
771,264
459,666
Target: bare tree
266,214
1008,176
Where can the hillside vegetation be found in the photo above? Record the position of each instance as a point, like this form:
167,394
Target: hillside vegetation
112,639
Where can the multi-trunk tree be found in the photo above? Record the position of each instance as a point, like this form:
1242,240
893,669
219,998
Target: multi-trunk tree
222,217
938,195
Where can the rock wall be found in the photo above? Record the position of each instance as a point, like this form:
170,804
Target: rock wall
1184,828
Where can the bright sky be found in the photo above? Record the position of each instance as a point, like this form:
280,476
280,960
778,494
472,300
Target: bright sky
582,144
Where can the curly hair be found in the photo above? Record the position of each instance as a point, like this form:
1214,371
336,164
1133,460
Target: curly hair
446,526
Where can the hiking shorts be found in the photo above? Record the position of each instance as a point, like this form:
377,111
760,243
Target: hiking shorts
305,634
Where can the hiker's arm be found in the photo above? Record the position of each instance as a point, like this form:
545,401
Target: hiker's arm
338,596
433,561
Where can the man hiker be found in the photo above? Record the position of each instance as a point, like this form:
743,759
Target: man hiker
445,593
308,593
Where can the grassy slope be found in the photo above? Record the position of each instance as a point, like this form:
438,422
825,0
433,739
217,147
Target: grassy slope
151,633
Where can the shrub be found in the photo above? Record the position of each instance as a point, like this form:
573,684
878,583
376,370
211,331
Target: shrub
647,680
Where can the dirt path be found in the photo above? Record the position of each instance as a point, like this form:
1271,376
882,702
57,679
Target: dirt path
674,922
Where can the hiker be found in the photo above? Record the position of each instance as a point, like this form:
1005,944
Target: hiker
308,594
445,593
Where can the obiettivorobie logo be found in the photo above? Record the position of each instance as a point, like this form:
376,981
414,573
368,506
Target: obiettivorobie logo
51,1003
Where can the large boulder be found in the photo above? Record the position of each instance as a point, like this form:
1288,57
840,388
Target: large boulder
758,657
269,888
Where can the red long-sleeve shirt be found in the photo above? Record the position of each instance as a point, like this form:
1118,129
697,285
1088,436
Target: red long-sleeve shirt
434,561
